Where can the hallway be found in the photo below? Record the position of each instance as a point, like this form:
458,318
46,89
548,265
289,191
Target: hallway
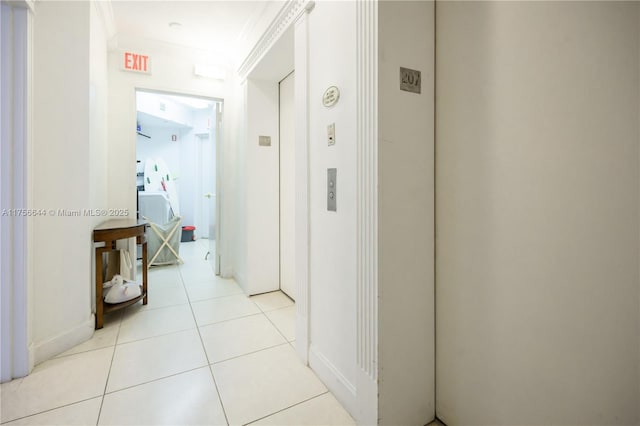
466,211
199,353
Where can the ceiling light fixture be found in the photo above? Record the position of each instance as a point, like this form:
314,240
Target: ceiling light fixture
175,25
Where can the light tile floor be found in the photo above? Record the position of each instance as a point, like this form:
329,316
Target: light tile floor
199,353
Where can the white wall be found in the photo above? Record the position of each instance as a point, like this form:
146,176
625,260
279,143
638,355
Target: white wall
332,269
162,107
261,174
406,216
98,93
68,103
537,213
161,146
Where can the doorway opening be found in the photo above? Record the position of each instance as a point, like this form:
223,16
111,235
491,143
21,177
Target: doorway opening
177,166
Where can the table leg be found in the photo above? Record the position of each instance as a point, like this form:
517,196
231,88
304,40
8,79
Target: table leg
99,306
144,272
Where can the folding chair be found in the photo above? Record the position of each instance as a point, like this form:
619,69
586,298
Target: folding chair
164,242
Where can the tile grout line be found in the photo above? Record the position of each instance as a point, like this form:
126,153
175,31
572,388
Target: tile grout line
157,379
228,319
162,307
50,409
122,316
249,353
293,302
215,384
275,326
286,408
219,297
106,384
225,297
277,309
154,336
120,319
81,400
204,349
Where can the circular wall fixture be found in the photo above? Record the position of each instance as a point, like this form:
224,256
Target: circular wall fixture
331,96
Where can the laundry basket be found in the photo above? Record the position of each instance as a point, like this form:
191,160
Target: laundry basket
163,242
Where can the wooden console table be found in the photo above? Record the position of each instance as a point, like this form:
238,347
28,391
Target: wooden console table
109,232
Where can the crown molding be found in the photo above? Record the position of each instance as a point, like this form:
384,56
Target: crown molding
288,14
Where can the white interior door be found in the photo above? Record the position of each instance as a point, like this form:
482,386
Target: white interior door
208,187
202,159
214,200
287,187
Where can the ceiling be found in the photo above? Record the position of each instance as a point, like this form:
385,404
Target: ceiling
216,26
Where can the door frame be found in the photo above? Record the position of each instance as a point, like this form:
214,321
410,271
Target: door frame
219,132
293,16
15,194
218,103
280,209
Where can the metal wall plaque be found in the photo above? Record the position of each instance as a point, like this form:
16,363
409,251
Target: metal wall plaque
331,96
264,140
410,80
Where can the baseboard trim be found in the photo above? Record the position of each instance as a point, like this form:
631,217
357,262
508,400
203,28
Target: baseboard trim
43,351
332,377
226,271
32,358
241,281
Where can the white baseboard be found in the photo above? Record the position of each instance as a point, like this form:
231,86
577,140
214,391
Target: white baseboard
302,337
226,271
32,357
343,389
43,351
240,279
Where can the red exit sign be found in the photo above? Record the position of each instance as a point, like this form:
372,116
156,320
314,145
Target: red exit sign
136,62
